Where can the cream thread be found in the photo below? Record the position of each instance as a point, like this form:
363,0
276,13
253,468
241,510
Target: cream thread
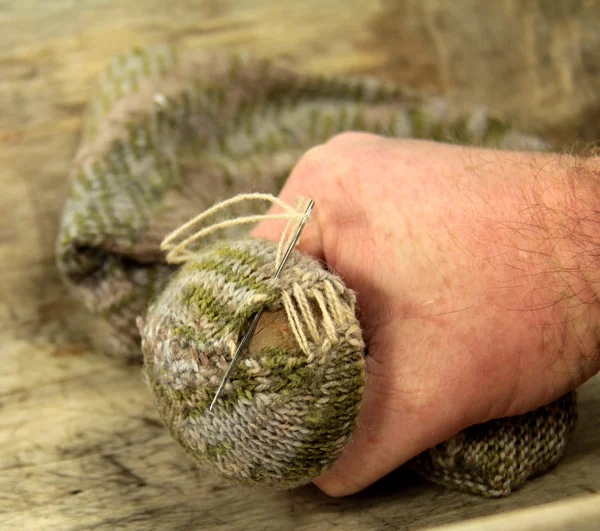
178,252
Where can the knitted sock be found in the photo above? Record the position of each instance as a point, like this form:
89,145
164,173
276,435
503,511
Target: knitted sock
494,458
286,413
169,135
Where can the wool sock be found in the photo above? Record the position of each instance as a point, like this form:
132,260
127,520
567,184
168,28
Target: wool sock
167,135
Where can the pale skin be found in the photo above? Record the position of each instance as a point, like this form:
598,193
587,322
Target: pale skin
477,282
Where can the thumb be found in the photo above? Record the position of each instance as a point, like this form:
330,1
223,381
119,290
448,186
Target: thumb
317,176
310,241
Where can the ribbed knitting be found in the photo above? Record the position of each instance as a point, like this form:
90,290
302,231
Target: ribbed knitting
168,135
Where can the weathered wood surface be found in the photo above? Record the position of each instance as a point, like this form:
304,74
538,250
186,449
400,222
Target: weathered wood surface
580,514
81,444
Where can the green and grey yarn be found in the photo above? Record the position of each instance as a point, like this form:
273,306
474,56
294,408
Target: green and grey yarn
285,415
167,135
494,458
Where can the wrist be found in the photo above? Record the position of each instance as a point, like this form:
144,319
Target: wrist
571,225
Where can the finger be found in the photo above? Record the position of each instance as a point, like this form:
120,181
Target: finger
351,138
401,413
320,175
304,181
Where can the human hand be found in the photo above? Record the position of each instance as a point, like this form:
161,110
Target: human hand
476,279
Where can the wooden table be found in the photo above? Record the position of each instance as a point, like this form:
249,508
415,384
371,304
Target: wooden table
82,447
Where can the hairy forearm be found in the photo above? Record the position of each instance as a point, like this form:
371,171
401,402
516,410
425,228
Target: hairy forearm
535,239
569,216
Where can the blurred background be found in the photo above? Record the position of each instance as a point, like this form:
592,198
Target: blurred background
81,444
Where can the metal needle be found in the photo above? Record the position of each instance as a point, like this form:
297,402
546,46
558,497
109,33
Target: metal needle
256,317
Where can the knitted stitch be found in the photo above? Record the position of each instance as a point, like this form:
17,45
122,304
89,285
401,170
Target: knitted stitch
168,135
494,458
285,415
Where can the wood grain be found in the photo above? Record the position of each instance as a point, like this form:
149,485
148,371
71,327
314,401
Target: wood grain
581,514
81,444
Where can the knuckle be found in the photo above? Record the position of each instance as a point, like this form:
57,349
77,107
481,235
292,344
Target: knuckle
313,169
351,137
314,160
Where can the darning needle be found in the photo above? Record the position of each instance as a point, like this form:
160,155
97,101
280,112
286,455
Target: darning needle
256,317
